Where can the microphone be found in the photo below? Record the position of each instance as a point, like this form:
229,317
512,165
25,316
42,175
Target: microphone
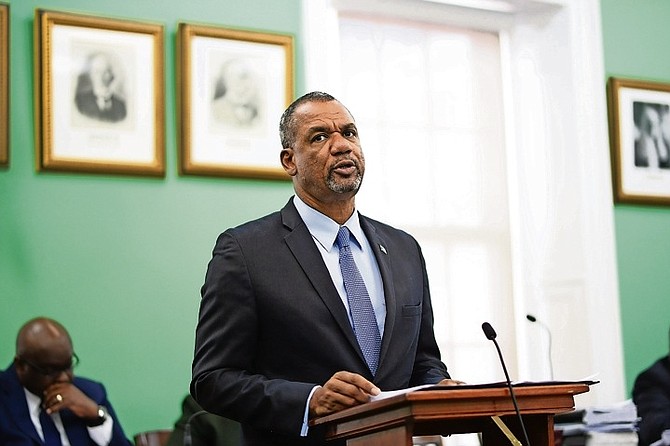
187,427
532,318
490,334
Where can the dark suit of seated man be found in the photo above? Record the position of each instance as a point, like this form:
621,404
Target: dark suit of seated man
43,403
206,429
651,395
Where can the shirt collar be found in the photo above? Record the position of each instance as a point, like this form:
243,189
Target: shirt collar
34,402
324,229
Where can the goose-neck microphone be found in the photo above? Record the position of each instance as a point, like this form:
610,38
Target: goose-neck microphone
491,335
532,318
188,440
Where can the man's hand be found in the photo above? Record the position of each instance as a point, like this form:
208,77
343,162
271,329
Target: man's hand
64,395
342,390
450,382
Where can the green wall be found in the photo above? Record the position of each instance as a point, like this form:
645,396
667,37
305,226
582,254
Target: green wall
635,41
120,260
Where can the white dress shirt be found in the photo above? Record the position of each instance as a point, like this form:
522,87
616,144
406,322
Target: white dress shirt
102,434
324,232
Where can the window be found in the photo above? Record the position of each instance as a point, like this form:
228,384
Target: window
537,209
427,100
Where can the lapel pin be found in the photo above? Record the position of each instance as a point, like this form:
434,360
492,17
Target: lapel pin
383,249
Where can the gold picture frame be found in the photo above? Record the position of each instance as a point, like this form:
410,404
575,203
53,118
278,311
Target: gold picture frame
639,124
99,101
233,86
4,85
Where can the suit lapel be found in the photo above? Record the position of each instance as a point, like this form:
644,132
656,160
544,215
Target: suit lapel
379,247
302,246
16,399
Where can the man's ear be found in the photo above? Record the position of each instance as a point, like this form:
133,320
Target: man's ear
20,366
288,161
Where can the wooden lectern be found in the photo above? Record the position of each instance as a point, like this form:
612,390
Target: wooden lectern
446,410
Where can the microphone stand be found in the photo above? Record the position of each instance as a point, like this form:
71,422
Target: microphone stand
187,427
532,318
491,334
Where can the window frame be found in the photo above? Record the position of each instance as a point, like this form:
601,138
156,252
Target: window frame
561,216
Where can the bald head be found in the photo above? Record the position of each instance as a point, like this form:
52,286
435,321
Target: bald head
44,354
42,336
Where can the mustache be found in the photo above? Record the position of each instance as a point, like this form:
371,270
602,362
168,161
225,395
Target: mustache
346,162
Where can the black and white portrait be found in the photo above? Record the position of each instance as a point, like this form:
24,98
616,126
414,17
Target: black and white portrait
639,118
234,87
99,91
101,84
652,135
237,96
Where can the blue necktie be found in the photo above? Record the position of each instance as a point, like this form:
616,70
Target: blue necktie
51,435
360,306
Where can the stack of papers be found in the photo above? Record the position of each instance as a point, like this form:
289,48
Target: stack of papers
619,417
614,424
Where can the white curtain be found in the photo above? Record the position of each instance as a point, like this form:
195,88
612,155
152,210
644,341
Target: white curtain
428,103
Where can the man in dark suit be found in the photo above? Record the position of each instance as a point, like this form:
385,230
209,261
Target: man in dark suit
43,403
651,395
277,341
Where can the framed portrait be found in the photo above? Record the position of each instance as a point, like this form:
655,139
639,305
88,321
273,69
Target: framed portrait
99,95
233,86
4,84
639,119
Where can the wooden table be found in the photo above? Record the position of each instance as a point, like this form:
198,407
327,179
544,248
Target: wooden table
456,410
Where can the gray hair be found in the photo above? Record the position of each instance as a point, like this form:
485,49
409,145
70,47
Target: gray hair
288,122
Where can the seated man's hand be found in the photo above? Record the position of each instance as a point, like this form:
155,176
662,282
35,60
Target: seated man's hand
342,390
64,395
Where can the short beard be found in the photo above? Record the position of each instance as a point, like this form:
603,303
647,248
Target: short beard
347,186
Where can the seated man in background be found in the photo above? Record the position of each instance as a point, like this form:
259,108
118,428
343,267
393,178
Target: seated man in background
206,429
42,402
651,395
